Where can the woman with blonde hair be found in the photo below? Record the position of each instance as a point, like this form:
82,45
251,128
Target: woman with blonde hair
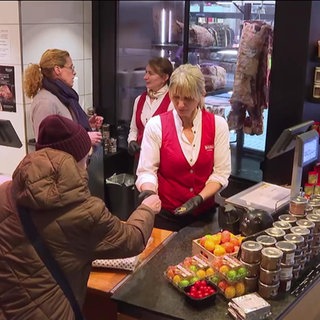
49,85
185,154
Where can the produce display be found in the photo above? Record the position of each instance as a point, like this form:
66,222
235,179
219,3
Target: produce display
213,267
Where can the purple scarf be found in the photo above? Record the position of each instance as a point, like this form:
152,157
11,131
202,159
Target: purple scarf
69,97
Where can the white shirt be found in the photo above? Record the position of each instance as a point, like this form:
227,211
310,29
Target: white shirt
150,149
149,108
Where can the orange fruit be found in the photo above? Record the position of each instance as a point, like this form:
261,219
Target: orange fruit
224,269
240,288
176,279
222,284
235,241
230,292
219,250
216,238
201,274
209,272
229,246
225,236
209,245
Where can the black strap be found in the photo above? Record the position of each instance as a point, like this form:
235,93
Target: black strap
51,264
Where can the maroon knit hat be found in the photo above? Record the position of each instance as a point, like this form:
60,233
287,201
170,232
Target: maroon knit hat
63,134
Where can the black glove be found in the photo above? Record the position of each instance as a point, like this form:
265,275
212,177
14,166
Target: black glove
189,206
133,147
144,194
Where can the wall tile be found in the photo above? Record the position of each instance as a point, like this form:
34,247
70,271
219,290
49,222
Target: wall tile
9,13
67,37
87,40
44,12
13,50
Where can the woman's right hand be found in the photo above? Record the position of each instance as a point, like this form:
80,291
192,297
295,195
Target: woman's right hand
153,202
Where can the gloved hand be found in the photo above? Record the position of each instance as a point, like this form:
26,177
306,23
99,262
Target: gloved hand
144,194
189,206
133,147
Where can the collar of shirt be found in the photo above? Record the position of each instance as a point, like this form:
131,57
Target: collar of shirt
156,94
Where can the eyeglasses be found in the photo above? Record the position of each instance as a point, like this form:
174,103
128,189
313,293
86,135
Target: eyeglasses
72,68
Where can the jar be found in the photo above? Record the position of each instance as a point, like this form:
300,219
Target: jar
271,258
297,206
277,233
285,284
252,268
283,225
306,224
266,241
250,251
314,202
316,220
301,231
288,250
251,284
286,271
269,277
288,218
297,239
268,291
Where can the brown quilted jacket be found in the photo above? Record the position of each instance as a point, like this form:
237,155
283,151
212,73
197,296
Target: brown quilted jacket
76,226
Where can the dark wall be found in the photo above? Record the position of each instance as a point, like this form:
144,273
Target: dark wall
104,44
296,31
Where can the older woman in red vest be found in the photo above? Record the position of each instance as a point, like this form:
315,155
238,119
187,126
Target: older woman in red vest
185,154
155,100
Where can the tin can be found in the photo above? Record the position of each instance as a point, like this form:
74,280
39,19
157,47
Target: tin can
306,224
266,241
283,225
271,258
268,291
286,271
288,218
250,251
288,250
297,206
285,284
253,269
297,239
301,231
269,277
316,220
277,233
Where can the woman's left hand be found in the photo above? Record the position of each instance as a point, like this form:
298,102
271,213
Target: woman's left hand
95,137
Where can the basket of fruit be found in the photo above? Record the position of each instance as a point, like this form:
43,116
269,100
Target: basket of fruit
216,245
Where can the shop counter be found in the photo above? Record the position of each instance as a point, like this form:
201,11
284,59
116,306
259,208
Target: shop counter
103,282
148,295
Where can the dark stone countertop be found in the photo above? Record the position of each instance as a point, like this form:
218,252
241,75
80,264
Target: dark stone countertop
148,295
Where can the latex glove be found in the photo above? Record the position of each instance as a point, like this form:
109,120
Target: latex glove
188,206
95,137
133,147
153,202
144,194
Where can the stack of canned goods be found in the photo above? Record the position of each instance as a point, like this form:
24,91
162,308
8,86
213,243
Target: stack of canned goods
250,257
269,278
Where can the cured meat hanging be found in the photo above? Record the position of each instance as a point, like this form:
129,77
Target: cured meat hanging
251,81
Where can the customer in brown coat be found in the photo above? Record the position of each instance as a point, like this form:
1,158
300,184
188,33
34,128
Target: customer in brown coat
76,227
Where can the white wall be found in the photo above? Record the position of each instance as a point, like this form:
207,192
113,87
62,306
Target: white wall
42,25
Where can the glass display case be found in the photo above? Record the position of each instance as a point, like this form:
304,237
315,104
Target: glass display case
206,33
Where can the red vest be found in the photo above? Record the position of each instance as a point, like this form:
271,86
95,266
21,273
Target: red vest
163,107
178,180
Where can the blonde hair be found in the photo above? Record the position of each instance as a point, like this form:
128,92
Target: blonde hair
34,73
188,81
